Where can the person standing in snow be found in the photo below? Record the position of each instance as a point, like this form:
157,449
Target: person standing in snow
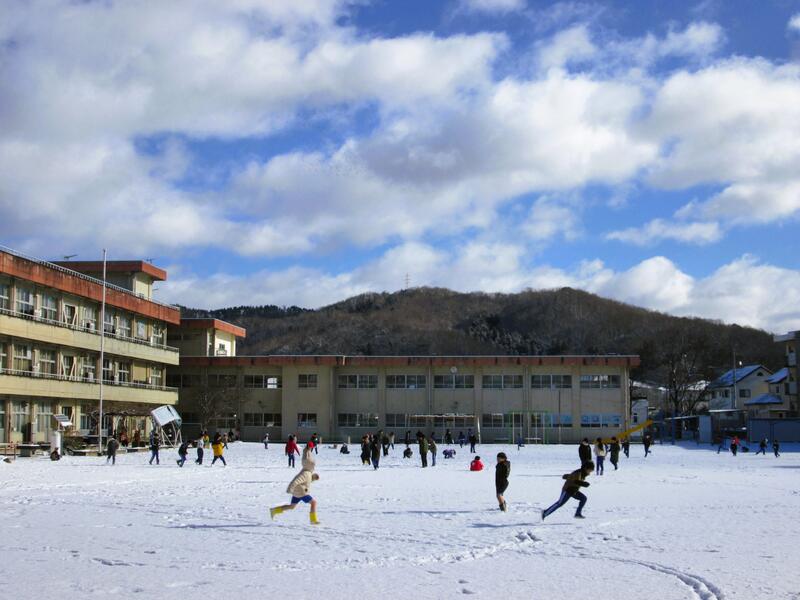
316,442
613,450
218,447
762,447
299,489
571,489
391,440
384,439
423,448
626,447
111,449
375,451
199,444
448,438
776,447
183,451
647,440
735,445
600,454
461,439
501,472
153,447
365,451
432,447
290,449
265,440
520,442
473,439
585,451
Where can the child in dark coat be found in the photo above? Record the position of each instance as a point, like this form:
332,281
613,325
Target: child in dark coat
501,473
574,481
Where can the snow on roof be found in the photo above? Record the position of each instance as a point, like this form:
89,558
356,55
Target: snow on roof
764,399
726,380
779,376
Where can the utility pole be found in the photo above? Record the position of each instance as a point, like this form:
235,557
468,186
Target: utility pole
102,356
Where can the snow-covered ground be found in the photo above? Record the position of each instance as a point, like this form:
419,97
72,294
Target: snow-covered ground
683,523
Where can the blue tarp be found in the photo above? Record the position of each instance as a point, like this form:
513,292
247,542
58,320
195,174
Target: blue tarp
764,399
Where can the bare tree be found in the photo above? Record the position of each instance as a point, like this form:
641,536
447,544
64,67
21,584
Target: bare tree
214,399
685,356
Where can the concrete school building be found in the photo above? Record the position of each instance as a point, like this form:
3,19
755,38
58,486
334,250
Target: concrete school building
542,398
50,346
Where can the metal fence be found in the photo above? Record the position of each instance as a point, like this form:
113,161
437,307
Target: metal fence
784,430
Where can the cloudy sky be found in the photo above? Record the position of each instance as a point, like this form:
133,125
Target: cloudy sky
300,152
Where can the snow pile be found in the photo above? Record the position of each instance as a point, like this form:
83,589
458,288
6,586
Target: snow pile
683,523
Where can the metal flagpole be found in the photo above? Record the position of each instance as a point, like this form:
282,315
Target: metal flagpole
102,355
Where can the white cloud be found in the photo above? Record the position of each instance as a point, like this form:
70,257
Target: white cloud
794,23
492,6
659,230
549,218
567,46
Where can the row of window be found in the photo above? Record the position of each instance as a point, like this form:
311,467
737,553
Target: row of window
115,322
47,362
743,393
263,419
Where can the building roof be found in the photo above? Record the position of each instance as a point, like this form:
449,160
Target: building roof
95,267
764,399
726,380
787,337
779,376
201,323
615,360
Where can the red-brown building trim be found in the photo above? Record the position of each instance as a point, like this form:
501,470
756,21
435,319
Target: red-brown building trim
95,267
403,361
188,323
41,274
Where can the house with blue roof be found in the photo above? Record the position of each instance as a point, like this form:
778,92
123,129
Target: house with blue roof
730,392
790,375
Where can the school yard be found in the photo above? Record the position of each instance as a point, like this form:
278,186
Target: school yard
685,523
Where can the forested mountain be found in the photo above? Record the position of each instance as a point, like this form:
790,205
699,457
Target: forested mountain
433,321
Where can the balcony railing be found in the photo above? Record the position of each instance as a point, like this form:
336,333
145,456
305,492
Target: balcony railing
31,316
79,379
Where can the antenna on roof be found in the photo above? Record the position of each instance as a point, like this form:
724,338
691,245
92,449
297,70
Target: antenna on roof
68,256
407,281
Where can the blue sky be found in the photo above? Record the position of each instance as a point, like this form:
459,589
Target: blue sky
302,152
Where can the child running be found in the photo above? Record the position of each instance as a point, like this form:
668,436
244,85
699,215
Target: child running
217,447
300,487
501,473
574,481
290,449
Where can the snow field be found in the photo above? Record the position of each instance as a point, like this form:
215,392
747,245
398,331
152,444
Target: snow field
685,523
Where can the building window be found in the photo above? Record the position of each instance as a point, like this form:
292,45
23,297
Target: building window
395,420
44,418
591,420
88,368
23,360
454,381
108,370
499,382
5,292
3,357
24,301
124,326
158,334
156,376
141,330
49,308
744,393
492,420
108,322
513,420
221,380
68,366
307,381
357,381
548,382
611,420
47,362
600,381
307,419
262,420
90,318
124,372
19,416
87,422
347,381
70,314
270,382
174,380
405,382
363,420
273,420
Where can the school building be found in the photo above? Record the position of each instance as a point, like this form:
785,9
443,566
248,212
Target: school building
541,398
50,339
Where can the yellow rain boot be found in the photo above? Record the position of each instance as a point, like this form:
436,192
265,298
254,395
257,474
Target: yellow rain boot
313,518
275,511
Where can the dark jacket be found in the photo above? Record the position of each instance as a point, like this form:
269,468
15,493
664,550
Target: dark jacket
585,452
501,472
183,450
375,449
574,481
614,449
423,445
112,446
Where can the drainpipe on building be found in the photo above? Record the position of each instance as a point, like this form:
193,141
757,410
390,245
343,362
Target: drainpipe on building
102,356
